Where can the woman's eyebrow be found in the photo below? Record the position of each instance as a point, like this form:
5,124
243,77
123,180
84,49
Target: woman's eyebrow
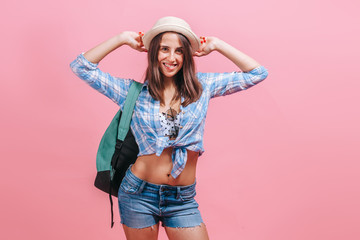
162,45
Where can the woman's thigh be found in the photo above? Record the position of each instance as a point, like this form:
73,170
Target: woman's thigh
148,233
190,233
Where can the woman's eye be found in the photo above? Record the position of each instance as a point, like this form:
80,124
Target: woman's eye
164,49
179,51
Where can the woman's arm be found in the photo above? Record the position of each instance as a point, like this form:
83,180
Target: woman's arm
221,84
209,44
132,39
85,66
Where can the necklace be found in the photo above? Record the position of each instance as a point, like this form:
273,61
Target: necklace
171,114
171,110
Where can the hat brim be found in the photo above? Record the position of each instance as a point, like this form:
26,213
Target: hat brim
149,35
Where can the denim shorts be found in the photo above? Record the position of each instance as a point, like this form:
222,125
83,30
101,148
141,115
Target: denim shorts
143,204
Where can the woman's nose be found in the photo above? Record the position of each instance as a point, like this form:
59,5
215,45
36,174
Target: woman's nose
171,56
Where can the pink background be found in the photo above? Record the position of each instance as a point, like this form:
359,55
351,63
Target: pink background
281,159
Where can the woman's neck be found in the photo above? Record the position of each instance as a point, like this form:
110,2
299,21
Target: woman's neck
169,83
169,91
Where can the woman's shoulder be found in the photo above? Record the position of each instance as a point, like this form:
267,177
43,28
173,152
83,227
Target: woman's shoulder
206,77
203,76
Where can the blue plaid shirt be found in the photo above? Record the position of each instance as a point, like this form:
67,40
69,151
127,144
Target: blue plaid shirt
145,123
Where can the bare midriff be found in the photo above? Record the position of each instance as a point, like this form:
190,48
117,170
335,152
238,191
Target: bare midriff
157,169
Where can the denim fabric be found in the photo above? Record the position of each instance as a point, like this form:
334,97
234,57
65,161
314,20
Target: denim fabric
145,122
143,204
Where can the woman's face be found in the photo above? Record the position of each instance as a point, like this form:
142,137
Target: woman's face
170,55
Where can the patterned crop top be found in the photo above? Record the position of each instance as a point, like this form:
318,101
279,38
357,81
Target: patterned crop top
170,124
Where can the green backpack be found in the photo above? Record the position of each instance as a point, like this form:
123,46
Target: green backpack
117,149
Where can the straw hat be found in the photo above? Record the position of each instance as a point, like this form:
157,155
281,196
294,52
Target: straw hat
171,24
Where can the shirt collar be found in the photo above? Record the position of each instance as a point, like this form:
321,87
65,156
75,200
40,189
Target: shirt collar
146,83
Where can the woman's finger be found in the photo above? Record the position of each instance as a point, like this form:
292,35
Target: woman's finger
141,48
198,54
141,34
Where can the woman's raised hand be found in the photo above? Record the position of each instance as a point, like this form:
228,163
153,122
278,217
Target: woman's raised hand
134,40
207,46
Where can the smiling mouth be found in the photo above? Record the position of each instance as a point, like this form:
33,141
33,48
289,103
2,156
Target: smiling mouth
170,66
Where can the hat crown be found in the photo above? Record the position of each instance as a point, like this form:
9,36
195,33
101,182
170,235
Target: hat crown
171,21
171,24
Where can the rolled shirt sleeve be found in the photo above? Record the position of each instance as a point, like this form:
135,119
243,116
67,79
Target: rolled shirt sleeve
113,87
221,84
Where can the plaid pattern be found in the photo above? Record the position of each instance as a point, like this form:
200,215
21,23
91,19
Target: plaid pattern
145,123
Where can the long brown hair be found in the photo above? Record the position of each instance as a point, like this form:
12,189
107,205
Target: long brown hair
187,84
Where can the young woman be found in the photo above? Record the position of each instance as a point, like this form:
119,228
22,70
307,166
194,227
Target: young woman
168,122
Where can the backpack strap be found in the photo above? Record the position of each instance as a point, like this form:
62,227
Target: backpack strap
117,129
128,109
124,127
